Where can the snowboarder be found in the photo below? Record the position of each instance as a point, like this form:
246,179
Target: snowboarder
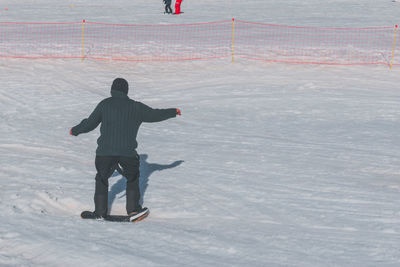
178,6
120,119
168,9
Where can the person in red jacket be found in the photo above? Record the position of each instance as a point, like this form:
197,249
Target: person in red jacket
178,7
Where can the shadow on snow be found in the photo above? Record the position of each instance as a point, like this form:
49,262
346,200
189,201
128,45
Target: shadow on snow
146,170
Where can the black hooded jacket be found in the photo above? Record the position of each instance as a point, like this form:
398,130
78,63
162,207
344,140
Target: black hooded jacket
120,119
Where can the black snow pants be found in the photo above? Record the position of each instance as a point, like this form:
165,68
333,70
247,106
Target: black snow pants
105,166
168,8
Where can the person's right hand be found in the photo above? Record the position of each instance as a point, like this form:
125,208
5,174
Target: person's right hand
178,112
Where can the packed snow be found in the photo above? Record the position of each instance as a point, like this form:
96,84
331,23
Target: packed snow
269,164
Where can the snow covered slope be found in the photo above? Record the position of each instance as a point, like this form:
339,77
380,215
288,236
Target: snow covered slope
269,165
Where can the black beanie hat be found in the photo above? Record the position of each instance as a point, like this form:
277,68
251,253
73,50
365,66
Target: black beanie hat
121,85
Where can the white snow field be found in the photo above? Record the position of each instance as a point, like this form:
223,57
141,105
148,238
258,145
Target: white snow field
269,164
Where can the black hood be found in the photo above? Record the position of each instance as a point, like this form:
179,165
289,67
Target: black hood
120,85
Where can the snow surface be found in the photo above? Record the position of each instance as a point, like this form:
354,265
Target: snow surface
269,165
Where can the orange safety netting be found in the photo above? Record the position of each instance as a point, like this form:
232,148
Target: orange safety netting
341,46
276,43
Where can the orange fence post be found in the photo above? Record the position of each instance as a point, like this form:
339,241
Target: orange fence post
394,46
83,37
233,41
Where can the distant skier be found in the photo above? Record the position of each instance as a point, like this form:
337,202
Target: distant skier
168,9
178,6
120,119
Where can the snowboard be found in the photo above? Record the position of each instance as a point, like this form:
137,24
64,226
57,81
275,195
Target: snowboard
117,218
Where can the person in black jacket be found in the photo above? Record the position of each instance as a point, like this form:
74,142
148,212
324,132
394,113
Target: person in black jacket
168,9
120,119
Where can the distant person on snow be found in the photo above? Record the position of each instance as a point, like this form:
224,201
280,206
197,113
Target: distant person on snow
168,9
178,7
120,119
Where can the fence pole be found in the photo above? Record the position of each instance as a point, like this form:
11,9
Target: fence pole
83,37
394,46
233,41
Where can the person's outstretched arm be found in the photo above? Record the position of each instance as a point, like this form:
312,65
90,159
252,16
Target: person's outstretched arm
88,124
149,114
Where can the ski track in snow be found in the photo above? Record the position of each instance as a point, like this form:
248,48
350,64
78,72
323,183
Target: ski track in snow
269,165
